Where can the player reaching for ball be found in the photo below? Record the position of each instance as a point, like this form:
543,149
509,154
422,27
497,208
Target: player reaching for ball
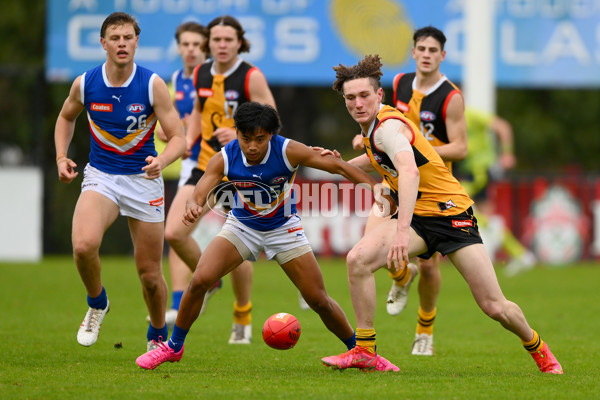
262,166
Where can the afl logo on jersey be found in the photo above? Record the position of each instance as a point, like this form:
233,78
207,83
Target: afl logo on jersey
277,180
377,157
232,95
136,108
427,116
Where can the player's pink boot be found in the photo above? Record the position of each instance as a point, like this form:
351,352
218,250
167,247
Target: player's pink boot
546,361
384,365
162,353
358,357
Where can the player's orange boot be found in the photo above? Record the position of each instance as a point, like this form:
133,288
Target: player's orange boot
358,357
546,361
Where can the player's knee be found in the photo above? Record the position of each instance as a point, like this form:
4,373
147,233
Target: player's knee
174,237
495,310
355,261
84,249
150,279
320,303
199,285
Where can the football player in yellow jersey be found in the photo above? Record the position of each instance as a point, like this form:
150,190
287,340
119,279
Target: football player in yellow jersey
222,84
433,214
436,106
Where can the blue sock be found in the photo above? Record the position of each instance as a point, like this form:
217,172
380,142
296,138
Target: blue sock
99,302
177,338
176,299
157,334
350,342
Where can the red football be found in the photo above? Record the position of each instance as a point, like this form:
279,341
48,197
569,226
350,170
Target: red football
281,331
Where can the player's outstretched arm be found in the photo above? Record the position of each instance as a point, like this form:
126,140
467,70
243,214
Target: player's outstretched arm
300,154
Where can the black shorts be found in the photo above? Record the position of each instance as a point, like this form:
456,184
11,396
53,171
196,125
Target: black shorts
225,191
446,234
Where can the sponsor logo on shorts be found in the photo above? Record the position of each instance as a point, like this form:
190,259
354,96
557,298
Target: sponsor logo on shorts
427,116
461,223
157,202
88,185
205,92
402,106
103,107
298,228
136,108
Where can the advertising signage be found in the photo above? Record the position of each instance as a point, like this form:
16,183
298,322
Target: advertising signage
538,43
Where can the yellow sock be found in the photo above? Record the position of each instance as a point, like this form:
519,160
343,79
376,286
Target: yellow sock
425,321
401,276
241,315
534,344
366,338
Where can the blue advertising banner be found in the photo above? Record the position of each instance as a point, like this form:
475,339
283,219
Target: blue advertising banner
297,42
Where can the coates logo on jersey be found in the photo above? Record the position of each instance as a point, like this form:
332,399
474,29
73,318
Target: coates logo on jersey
136,108
232,94
179,95
402,106
205,92
101,107
427,116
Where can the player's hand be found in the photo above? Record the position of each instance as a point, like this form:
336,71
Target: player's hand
224,135
326,152
193,212
152,170
357,142
507,161
398,254
66,170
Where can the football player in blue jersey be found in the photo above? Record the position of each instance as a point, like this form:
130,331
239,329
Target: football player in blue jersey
123,102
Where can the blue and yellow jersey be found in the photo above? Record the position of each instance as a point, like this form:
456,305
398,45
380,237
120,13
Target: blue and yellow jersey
121,120
265,198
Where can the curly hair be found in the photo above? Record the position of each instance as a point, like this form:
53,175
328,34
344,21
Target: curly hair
368,67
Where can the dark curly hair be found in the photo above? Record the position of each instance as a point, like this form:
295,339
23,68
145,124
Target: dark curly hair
252,116
368,67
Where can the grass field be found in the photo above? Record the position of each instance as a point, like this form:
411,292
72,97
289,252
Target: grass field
43,304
